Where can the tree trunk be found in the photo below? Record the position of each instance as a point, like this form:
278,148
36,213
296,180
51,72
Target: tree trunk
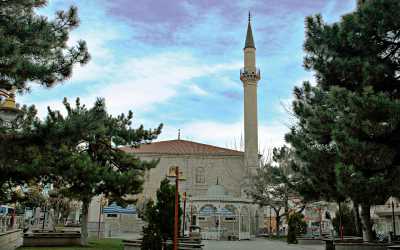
84,222
366,222
286,208
357,219
278,223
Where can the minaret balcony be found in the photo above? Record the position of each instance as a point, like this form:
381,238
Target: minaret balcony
250,74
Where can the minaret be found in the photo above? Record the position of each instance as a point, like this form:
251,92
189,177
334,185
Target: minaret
250,75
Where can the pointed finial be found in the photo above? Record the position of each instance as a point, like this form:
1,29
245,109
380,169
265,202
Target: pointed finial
249,43
179,134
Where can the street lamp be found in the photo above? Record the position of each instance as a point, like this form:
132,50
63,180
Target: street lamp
174,174
8,107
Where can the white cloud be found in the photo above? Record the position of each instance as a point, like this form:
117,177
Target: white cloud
142,83
195,89
226,134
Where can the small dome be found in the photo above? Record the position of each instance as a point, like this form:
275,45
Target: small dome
216,191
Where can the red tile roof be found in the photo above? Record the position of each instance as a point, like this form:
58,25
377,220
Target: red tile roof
181,147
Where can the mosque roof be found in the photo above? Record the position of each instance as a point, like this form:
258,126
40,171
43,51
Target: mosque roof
182,147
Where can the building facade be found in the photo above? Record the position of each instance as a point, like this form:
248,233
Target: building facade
203,165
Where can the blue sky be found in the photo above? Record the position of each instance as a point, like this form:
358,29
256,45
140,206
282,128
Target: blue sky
177,62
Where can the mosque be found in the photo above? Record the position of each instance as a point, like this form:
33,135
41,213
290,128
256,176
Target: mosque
215,178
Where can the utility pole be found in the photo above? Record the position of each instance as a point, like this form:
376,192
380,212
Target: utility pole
184,214
191,215
174,174
393,220
270,221
176,217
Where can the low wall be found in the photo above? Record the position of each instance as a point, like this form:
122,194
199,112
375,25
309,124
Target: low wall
52,239
309,241
361,246
122,224
132,244
93,229
11,240
184,243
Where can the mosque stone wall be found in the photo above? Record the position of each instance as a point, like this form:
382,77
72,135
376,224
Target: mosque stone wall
200,172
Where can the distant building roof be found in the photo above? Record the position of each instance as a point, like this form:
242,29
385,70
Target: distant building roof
181,147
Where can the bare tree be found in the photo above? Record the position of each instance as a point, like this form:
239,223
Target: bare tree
273,185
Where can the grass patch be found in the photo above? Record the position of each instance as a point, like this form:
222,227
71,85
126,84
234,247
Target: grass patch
107,244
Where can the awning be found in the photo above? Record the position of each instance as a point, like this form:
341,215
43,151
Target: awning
115,209
210,211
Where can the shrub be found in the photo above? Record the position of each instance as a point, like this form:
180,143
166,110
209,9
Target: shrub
349,226
296,226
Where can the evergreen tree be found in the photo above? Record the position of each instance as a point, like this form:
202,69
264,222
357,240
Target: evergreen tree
20,156
296,226
160,217
166,208
345,215
152,239
347,131
84,155
34,48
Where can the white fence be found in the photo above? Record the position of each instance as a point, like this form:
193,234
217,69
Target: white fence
6,222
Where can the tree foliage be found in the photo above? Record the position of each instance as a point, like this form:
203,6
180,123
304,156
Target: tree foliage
34,48
21,155
84,156
33,197
152,239
347,129
161,215
61,205
345,215
296,226
79,153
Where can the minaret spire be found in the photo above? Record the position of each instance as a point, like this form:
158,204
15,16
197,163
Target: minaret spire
249,36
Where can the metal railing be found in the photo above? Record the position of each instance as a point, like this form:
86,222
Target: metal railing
254,74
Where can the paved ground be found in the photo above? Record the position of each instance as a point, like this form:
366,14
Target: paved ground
258,244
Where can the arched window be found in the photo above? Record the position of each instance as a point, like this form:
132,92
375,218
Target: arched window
200,175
